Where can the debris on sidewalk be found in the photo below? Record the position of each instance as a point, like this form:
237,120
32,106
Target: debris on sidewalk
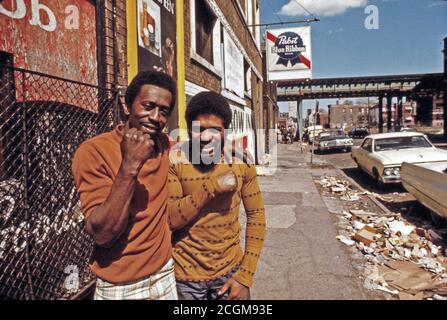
367,235
345,240
350,196
400,228
403,260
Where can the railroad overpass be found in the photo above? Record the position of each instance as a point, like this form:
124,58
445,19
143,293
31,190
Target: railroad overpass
411,86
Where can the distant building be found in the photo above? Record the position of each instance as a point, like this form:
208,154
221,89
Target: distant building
293,112
324,119
283,120
321,118
438,112
270,104
430,111
347,116
409,113
409,109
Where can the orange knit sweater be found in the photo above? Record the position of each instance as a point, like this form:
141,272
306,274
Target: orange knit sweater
206,226
145,246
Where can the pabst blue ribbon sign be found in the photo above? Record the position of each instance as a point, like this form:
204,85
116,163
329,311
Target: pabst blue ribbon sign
289,54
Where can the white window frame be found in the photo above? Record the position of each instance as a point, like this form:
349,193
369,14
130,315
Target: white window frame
224,24
257,30
249,13
247,78
191,89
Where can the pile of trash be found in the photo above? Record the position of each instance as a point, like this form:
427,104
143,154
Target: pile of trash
402,260
341,187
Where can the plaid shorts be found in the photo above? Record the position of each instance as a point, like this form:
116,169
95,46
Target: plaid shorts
158,286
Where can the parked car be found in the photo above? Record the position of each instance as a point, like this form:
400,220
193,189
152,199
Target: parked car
333,140
381,155
427,182
358,133
313,132
407,129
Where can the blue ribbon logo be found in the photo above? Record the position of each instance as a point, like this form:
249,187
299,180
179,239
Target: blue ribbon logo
289,46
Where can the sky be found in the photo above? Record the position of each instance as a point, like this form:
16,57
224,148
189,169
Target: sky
409,38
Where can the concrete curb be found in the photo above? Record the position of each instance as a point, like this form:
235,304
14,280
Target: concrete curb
373,199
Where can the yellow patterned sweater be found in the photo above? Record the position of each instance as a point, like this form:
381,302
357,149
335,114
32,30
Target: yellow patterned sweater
206,238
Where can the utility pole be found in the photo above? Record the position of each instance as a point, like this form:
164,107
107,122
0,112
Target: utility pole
298,125
445,87
313,135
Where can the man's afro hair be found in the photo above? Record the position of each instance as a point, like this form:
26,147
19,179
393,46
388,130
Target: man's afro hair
208,102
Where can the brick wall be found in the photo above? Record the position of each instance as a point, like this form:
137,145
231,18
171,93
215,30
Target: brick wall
350,115
200,75
270,103
234,17
195,72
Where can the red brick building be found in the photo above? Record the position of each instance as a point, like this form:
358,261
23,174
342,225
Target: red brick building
438,112
270,110
348,116
223,53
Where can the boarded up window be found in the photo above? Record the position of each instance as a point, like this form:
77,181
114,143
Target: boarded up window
205,21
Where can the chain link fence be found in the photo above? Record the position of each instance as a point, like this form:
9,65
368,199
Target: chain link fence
44,251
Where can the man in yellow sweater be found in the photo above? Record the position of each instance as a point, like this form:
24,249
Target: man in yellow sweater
205,193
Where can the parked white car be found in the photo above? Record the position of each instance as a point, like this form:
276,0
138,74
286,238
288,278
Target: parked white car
333,140
381,155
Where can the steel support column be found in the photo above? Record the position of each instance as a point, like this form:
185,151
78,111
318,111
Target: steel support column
381,114
389,113
399,113
445,87
299,125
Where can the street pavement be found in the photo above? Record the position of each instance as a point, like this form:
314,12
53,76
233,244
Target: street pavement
301,258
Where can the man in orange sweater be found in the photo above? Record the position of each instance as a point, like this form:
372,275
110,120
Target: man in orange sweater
121,179
205,193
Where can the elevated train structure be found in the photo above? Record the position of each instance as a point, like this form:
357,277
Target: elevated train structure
416,87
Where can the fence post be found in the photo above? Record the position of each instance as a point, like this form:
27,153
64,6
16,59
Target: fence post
117,108
25,166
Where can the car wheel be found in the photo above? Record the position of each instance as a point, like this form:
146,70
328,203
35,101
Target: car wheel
362,171
376,175
437,220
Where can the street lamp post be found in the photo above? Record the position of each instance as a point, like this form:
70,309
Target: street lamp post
313,135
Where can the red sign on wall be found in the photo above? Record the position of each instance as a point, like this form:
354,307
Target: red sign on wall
52,37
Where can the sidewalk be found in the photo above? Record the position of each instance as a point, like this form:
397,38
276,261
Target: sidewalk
301,258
